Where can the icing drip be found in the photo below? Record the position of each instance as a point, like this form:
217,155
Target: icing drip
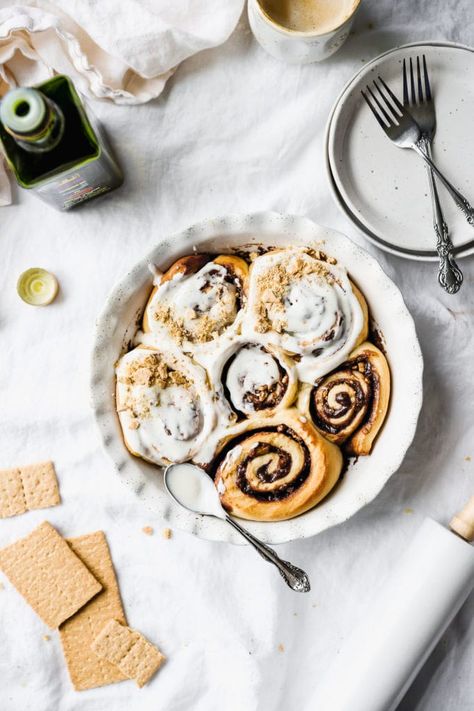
251,376
164,404
306,307
200,306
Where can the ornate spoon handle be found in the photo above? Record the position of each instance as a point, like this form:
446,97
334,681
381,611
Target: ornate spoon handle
294,577
449,275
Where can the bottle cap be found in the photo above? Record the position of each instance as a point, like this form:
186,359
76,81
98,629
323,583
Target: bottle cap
37,286
22,110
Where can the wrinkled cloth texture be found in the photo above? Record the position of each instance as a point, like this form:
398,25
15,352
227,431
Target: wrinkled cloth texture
121,51
233,131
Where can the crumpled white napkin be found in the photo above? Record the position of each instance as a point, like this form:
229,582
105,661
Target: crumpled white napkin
122,51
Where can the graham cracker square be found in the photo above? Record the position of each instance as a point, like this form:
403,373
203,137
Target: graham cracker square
134,655
51,578
34,486
86,670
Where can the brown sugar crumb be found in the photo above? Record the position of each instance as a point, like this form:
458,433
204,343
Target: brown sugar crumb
174,325
2,586
148,530
467,459
273,286
153,371
167,533
281,648
408,510
46,637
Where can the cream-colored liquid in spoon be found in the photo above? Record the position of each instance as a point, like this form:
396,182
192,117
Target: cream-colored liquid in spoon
193,489
318,16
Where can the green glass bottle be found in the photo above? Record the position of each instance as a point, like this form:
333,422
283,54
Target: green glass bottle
53,148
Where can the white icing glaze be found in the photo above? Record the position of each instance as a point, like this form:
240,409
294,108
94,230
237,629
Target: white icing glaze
207,293
318,319
169,424
252,368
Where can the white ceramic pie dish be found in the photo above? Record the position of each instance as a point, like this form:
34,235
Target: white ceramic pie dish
364,479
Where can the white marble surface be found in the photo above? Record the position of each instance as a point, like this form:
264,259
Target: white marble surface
234,131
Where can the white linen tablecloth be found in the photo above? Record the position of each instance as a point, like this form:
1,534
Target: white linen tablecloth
234,130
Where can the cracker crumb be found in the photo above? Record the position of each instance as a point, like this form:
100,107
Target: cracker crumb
134,425
408,510
467,458
281,648
2,586
46,637
273,285
148,530
167,533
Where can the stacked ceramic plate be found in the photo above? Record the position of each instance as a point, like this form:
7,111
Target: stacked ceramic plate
383,189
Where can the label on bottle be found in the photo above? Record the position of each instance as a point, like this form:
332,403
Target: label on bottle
79,184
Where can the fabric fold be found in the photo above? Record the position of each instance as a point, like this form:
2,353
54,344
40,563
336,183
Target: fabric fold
122,52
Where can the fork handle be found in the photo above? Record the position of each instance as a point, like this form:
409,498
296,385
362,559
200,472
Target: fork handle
450,276
462,202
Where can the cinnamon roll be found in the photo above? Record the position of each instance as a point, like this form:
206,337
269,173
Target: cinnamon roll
255,380
271,469
197,300
307,307
349,405
165,407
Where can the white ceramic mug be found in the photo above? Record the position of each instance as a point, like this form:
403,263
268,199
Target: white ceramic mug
293,46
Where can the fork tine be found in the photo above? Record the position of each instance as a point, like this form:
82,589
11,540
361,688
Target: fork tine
405,83
412,83
388,117
374,110
396,116
418,76
391,94
427,80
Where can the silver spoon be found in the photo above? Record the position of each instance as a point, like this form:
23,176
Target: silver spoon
191,487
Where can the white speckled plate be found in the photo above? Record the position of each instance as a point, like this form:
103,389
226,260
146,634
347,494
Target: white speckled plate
383,189
364,479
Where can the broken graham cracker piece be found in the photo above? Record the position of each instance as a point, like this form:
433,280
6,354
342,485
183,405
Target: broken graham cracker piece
86,670
34,486
51,578
134,655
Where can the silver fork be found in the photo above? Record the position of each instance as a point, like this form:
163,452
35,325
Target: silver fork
422,109
402,129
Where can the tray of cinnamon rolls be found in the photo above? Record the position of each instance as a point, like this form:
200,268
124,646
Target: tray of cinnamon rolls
274,353
260,367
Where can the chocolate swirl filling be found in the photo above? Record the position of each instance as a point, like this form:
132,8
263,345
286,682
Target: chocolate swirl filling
260,397
278,465
341,402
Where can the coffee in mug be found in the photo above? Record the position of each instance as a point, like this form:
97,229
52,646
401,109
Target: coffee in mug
301,31
315,16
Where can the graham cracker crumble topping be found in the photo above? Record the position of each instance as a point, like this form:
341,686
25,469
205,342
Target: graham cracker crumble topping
273,286
153,371
206,328
150,371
